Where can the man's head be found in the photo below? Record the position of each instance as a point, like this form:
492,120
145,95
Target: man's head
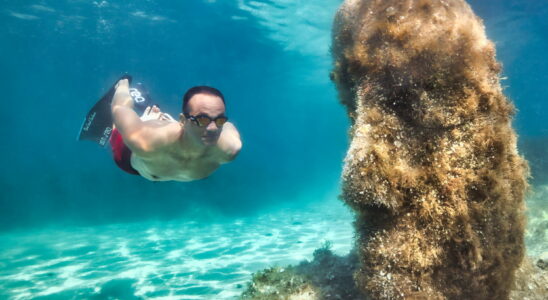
204,113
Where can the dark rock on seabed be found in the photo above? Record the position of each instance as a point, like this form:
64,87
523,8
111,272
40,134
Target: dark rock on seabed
329,277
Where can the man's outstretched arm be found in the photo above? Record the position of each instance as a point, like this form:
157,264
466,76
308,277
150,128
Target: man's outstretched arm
126,119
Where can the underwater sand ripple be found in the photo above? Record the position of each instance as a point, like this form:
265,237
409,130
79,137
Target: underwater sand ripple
170,260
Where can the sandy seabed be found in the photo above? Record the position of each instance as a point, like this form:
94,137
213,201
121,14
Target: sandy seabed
163,260
187,259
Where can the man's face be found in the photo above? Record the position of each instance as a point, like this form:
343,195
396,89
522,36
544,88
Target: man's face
208,105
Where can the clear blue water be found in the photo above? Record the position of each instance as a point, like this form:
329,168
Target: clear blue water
73,225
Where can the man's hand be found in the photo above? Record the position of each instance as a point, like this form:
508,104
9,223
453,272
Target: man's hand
154,113
123,83
121,96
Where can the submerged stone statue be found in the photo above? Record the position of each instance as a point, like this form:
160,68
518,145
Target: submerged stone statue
432,173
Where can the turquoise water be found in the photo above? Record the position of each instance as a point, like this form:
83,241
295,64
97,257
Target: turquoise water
177,259
72,225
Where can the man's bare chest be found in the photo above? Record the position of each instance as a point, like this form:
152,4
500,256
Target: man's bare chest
174,166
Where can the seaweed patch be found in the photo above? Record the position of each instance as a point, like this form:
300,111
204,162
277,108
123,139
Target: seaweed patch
432,173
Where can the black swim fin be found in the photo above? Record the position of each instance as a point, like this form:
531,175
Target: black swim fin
98,124
141,97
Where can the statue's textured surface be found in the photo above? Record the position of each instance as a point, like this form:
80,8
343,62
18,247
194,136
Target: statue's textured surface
432,172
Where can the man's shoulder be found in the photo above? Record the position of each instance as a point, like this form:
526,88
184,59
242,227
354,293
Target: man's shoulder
229,144
156,136
160,128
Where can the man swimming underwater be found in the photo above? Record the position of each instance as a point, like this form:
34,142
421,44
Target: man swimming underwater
160,148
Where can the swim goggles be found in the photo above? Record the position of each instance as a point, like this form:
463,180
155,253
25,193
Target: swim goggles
204,120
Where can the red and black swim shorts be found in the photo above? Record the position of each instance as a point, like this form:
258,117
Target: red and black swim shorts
121,153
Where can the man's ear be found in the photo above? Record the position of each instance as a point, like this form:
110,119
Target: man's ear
182,118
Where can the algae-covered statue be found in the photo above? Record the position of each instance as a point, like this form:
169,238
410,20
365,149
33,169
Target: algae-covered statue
432,173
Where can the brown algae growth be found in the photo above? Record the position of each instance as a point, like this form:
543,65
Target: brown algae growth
432,172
